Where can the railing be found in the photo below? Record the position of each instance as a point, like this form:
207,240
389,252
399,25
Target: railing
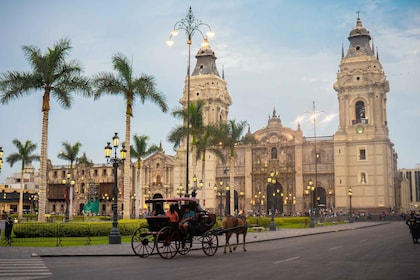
65,234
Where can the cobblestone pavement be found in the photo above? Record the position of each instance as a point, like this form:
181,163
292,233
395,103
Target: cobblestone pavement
124,249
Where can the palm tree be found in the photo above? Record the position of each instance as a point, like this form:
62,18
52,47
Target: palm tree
196,130
54,76
84,160
139,151
229,136
196,123
202,135
69,153
24,155
131,87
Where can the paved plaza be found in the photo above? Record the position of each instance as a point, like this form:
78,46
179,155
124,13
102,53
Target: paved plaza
124,249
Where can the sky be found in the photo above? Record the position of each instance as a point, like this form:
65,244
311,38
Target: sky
279,54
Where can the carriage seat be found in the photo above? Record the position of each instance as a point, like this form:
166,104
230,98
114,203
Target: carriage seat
156,223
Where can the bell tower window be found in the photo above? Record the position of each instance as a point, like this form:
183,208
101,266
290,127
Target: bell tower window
360,112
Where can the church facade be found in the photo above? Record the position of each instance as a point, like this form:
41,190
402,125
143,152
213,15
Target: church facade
353,170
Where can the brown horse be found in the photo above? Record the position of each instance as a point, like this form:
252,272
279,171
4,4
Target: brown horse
236,225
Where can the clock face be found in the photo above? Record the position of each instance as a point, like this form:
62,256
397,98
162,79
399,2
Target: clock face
360,129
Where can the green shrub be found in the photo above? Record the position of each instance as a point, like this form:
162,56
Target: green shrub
73,229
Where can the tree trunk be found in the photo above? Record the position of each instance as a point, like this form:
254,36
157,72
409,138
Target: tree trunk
232,184
42,192
20,206
203,177
127,170
139,192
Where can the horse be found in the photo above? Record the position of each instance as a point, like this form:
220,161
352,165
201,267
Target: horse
236,225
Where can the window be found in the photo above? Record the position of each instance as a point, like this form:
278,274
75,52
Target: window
103,172
95,172
362,153
273,153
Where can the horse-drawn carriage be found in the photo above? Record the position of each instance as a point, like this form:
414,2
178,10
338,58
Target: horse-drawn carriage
167,238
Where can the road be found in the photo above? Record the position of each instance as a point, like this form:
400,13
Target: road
380,252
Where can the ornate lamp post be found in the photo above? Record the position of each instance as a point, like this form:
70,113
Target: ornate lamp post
190,25
311,188
105,199
220,193
272,181
195,187
34,198
69,182
259,200
290,201
314,115
180,191
115,236
350,193
133,198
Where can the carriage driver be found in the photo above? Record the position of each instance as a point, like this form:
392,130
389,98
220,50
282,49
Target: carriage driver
185,222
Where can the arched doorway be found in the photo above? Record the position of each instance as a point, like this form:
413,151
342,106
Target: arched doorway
275,198
321,198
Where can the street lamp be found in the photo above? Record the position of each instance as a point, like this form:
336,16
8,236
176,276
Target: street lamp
195,187
69,182
190,25
115,236
220,192
350,193
290,201
311,188
272,181
34,198
314,115
180,191
259,200
134,198
105,199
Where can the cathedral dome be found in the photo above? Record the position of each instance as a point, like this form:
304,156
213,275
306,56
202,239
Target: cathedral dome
359,30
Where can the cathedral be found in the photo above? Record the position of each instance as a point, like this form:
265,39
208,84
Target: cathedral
354,168
282,170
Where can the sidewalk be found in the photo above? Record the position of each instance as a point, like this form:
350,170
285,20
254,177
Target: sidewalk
124,249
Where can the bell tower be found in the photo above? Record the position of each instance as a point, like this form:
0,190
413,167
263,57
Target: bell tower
207,85
364,158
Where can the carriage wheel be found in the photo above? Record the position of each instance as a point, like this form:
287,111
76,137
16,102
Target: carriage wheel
210,243
143,242
167,242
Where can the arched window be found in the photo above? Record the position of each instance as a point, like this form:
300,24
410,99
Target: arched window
363,178
360,112
273,153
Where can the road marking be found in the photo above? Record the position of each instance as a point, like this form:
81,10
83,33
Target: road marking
23,269
286,260
333,248
363,240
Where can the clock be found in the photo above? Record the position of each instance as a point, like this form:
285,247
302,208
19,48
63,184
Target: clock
360,129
